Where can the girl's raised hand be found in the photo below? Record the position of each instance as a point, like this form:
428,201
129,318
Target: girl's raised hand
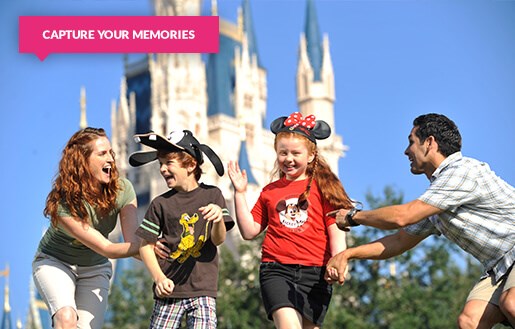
238,177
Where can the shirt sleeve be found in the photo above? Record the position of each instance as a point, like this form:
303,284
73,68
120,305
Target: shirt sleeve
150,228
127,193
259,211
452,188
326,207
229,222
423,228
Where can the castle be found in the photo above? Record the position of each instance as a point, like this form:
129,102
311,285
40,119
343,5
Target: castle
222,99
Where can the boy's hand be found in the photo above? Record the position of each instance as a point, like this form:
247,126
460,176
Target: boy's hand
212,212
164,288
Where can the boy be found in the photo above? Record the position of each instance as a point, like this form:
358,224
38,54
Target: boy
192,219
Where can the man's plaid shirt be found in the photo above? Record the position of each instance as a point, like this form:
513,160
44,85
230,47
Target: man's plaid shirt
478,212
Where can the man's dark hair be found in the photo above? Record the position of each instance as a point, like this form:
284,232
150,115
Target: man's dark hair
443,129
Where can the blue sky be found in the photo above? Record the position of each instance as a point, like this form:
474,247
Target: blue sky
393,60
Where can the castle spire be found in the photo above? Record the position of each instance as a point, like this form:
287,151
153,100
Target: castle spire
248,29
83,121
214,8
313,39
6,317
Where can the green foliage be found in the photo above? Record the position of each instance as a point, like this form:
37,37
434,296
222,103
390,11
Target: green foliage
239,298
130,300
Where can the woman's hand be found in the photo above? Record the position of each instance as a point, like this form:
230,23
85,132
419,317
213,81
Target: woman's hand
161,250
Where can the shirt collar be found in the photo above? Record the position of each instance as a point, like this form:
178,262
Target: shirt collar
445,163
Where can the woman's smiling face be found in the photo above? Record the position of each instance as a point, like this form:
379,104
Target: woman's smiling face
101,160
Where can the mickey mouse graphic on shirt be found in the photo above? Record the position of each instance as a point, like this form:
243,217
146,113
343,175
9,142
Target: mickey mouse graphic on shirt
291,214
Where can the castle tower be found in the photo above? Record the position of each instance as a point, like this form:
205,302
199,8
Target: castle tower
83,120
315,84
220,97
38,316
6,315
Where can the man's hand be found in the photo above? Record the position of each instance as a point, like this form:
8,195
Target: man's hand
341,218
336,269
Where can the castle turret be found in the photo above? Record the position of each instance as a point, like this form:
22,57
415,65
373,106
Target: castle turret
315,84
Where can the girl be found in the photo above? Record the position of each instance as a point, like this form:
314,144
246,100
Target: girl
300,238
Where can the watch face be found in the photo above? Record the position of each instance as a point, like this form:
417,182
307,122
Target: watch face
350,216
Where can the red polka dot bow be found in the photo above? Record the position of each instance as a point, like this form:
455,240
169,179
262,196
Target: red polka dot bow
295,119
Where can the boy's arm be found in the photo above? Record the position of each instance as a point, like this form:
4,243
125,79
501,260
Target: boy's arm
218,233
164,286
213,213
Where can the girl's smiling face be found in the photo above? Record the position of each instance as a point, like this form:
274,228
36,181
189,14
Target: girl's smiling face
293,156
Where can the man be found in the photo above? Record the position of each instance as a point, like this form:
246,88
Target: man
466,202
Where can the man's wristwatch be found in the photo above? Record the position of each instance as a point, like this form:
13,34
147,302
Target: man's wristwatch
350,215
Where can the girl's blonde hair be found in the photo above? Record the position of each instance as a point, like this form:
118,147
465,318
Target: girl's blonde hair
73,185
328,183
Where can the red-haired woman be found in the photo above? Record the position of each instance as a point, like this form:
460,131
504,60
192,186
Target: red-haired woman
71,268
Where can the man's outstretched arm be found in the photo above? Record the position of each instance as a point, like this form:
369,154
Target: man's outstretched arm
384,248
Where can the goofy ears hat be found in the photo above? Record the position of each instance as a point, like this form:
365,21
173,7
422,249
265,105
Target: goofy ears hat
177,141
308,127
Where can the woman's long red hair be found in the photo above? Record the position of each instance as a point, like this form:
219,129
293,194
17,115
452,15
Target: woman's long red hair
73,185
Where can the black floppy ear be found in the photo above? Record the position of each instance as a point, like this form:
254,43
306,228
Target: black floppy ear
277,124
321,130
215,160
140,158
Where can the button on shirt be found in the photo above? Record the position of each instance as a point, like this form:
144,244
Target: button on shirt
478,212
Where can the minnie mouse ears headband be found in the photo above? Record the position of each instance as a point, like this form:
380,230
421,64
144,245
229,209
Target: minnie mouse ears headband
177,141
308,127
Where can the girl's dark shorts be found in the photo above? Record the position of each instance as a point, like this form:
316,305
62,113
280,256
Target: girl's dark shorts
300,287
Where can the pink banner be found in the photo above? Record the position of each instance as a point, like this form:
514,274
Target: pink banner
44,35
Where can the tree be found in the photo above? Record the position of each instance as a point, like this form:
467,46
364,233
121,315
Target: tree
239,303
130,300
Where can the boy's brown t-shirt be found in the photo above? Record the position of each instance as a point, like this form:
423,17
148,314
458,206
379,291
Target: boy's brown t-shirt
193,262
